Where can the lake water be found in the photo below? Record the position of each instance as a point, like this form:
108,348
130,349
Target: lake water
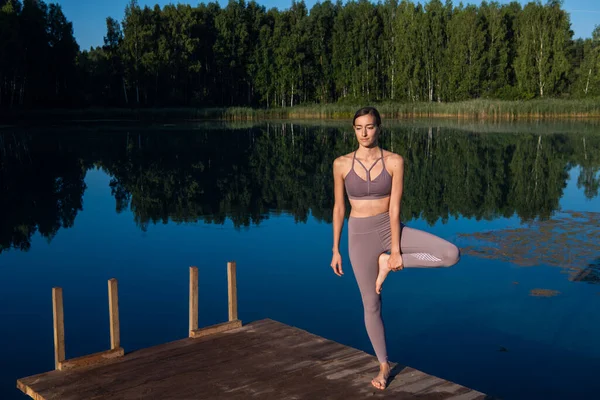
517,317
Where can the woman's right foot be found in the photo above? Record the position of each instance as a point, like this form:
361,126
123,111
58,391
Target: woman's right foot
384,270
381,380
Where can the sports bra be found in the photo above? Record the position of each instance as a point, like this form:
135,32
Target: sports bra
360,189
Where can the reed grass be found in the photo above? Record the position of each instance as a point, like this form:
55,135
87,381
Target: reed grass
495,110
481,109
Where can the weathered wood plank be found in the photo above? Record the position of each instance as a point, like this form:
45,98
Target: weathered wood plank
134,365
242,371
200,360
218,328
28,391
91,359
145,358
265,359
58,320
471,395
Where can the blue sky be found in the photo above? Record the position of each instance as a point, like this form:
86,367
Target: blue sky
89,17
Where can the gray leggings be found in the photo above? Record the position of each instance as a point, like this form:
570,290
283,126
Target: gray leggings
368,238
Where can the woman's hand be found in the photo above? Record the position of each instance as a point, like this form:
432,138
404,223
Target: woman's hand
336,263
395,262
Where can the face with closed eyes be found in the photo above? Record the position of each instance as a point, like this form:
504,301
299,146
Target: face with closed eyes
366,130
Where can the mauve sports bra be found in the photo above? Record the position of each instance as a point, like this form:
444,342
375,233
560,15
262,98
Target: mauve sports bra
360,189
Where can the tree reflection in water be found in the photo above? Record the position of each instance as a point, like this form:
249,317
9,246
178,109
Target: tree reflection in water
215,173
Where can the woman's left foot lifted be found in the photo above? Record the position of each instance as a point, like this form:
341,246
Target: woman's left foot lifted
381,380
384,270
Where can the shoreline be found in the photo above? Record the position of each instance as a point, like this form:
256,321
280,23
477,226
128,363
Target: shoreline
474,110
480,126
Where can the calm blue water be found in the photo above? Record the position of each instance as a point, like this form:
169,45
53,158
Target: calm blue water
81,205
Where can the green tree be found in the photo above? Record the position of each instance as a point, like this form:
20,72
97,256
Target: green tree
62,54
12,55
206,55
434,41
137,43
543,35
175,51
589,74
496,66
264,71
368,54
388,15
343,50
234,47
113,40
36,87
409,52
465,54
205,82
321,22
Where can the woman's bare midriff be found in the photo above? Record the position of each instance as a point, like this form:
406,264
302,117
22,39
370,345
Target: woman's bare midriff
369,208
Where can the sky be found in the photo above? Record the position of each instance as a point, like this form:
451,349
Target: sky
89,17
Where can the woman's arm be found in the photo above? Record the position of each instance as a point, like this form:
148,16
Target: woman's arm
397,165
339,210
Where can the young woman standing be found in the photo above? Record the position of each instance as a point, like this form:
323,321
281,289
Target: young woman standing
378,242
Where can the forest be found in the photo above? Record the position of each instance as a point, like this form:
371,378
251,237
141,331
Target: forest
246,174
246,55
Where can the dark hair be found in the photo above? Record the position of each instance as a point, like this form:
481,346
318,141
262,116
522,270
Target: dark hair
368,111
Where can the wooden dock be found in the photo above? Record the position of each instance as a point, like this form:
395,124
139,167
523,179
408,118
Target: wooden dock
264,359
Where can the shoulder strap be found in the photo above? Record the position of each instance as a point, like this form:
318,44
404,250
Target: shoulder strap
382,162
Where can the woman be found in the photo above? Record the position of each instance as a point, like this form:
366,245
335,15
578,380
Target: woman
378,243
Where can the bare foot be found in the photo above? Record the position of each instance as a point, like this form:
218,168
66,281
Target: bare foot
384,270
381,380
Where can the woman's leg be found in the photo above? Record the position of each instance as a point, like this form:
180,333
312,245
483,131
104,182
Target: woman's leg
419,249
423,250
365,249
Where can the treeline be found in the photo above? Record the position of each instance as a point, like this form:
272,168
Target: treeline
246,55
38,56
244,175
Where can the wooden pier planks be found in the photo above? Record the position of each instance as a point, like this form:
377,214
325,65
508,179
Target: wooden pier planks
264,359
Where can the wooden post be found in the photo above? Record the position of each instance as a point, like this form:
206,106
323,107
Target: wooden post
113,310
59,326
193,299
233,322
232,289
